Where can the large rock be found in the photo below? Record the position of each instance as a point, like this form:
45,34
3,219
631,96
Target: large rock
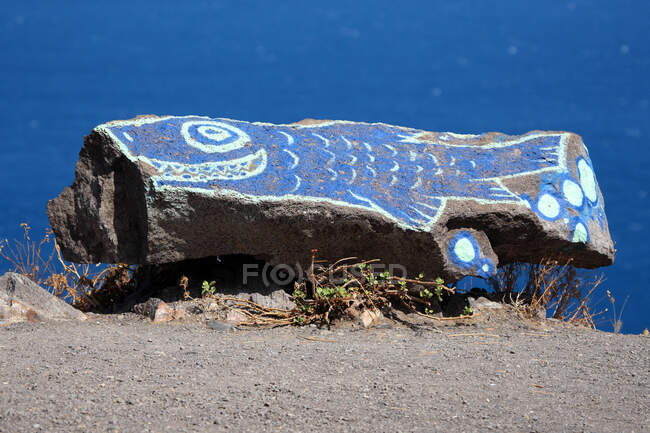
156,190
22,299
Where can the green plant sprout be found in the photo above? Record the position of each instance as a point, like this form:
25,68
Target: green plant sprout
208,288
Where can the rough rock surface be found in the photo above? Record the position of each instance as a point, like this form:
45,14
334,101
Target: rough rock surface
23,300
155,190
278,299
484,304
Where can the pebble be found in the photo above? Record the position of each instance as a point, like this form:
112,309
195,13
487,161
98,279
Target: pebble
221,326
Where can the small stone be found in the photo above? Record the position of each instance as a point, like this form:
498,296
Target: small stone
277,299
147,308
282,301
221,326
482,303
212,307
370,318
157,310
163,313
267,298
236,317
195,309
412,318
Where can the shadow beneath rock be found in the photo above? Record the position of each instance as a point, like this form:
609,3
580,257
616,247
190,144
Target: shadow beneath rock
231,275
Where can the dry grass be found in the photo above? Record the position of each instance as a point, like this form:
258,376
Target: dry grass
87,287
29,258
255,314
553,287
615,320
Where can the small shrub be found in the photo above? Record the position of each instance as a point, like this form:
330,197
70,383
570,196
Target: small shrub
351,283
29,258
87,287
330,291
208,288
553,286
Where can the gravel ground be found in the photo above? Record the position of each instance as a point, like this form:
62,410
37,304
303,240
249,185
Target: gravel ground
123,373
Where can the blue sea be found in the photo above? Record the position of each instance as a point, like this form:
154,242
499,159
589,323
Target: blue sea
461,66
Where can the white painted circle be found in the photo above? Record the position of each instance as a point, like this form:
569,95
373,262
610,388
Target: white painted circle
215,132
486,268
548,206
587,180
572,192
580,233
464,250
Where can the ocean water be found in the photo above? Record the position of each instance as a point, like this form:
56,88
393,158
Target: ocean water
462,66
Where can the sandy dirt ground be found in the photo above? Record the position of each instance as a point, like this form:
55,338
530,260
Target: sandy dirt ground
121,373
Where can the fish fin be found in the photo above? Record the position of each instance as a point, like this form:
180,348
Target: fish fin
492,190
429,209
409,213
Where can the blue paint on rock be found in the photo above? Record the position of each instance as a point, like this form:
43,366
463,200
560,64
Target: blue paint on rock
403,173
464,251
579,230
459,254
486,268
577,197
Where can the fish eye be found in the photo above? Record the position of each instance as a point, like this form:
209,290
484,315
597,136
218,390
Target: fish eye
213,137
213,133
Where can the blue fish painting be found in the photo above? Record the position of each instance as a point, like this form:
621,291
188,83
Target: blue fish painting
404,174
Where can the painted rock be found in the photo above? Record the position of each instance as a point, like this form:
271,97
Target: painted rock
155,190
